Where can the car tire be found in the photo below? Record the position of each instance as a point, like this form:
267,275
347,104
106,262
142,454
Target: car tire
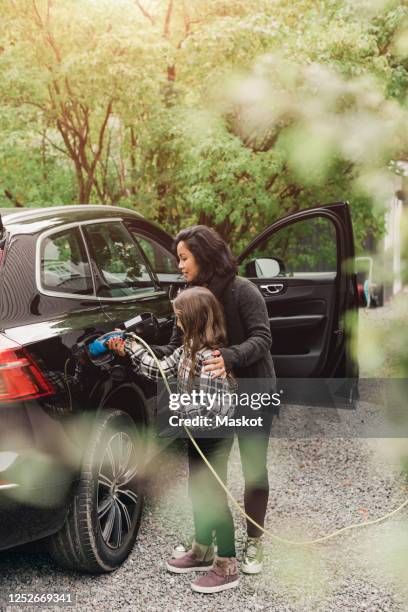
105,512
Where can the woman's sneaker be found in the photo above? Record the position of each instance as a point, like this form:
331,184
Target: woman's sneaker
223,575
199,559
252,557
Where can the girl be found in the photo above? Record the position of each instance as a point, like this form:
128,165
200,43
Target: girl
205,260
200,317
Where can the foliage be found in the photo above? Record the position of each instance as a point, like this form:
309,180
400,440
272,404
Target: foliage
222,112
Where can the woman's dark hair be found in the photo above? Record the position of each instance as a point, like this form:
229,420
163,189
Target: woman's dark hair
211,252
202,320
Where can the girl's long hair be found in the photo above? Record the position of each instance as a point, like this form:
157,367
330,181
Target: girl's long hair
202,319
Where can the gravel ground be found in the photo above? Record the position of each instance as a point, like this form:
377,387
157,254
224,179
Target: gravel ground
318,485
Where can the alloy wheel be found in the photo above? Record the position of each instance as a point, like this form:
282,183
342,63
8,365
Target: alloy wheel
118,498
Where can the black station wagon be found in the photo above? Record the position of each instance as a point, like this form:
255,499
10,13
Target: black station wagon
72,429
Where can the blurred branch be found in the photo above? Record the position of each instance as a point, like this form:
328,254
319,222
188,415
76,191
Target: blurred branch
37,15
383,49
271,181
46,29
104,167
348,168
290,191
205,219
187,24
55,146
102,135
225,228
23,101
186,19
13,199
133,145
145,12
167,19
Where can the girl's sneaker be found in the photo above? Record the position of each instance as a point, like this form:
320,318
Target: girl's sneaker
252,557
199,559
223,575
180,549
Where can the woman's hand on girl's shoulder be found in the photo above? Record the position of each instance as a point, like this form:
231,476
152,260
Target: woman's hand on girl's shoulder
215,365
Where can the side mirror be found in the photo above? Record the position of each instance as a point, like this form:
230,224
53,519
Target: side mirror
265,267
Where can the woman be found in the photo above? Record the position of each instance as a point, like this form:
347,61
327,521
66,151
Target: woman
205,259
199,315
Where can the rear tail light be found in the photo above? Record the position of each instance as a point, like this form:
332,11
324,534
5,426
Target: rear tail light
20,376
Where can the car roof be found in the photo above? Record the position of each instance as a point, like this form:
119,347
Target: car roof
72,212
32,220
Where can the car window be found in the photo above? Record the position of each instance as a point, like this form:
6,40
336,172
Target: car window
64,264
306,248
120,263
163,263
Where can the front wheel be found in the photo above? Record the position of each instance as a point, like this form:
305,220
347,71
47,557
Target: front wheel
104,515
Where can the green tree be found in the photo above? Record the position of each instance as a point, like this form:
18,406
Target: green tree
224,112
79,65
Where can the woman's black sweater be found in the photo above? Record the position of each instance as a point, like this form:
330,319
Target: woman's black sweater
249,335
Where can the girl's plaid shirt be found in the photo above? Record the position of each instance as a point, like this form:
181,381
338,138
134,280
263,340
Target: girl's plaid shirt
178,366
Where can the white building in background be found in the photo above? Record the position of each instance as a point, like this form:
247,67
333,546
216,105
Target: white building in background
392,242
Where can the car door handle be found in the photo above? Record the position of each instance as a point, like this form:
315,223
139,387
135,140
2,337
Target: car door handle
272,289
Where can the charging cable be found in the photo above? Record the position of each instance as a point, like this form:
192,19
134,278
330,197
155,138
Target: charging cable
228,492
235,502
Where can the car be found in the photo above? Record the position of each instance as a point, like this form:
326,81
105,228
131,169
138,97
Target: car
73,429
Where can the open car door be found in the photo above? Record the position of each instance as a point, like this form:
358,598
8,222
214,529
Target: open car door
303,266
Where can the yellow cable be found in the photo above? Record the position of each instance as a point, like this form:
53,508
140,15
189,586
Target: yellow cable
274,536
236,504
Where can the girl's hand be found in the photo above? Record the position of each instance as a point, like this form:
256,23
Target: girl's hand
216,365
117,345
